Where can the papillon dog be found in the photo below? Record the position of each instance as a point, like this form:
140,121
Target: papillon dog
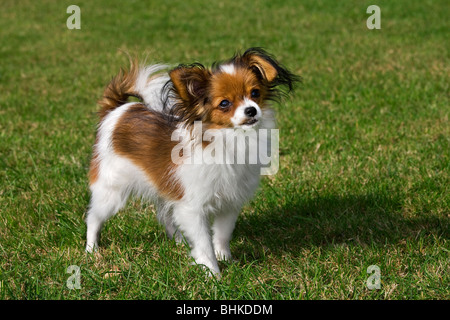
134,149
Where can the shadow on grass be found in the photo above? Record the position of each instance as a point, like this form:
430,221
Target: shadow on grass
362,220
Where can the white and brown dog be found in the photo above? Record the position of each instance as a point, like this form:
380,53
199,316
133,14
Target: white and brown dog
134,147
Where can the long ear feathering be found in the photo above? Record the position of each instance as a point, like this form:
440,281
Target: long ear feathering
187,93
277,77
121,87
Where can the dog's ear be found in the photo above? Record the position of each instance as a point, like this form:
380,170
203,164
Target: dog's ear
263,65
190,82
268,69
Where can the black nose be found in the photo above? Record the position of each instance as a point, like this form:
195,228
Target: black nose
250,111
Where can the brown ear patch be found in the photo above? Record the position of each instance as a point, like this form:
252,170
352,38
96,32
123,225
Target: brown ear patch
270,70
190,82
267,70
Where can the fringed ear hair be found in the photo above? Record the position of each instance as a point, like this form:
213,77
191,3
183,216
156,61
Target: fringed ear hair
268,69
190,88
190,82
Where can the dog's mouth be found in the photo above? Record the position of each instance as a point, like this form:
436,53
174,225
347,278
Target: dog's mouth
251,122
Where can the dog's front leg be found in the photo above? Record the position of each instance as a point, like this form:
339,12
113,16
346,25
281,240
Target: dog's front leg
194,225
222,228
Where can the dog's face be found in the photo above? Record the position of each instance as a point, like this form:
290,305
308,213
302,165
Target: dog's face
232,94
237,97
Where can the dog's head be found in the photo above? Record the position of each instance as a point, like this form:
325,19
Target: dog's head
232,94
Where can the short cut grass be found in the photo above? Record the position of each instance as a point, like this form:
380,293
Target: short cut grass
364,151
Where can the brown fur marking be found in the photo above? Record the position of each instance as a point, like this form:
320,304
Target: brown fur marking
144,137
119,89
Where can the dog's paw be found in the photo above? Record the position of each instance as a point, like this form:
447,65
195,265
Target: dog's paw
224,255
91,248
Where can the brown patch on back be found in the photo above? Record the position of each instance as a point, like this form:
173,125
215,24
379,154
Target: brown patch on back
143,137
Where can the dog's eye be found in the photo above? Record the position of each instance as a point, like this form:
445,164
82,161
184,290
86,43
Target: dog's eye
224,104
255,93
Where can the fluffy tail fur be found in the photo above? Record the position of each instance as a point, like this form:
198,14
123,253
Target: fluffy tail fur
121,87
143,82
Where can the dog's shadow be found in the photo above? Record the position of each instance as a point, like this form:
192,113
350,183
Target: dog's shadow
363,220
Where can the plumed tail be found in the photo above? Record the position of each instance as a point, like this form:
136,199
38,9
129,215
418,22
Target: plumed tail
143,82
121,87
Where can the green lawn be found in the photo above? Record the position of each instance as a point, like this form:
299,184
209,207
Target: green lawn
364,159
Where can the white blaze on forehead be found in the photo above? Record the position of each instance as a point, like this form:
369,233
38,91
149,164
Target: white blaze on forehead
228,68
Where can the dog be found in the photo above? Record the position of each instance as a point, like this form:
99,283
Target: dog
135,146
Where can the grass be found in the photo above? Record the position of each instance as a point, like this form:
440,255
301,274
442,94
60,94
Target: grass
364,165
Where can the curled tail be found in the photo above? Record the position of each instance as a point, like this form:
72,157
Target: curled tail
143,82
121,87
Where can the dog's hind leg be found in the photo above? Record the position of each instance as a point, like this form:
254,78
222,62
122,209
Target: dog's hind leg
165,218
106,200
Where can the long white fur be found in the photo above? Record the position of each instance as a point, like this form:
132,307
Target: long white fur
149,84
211,191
